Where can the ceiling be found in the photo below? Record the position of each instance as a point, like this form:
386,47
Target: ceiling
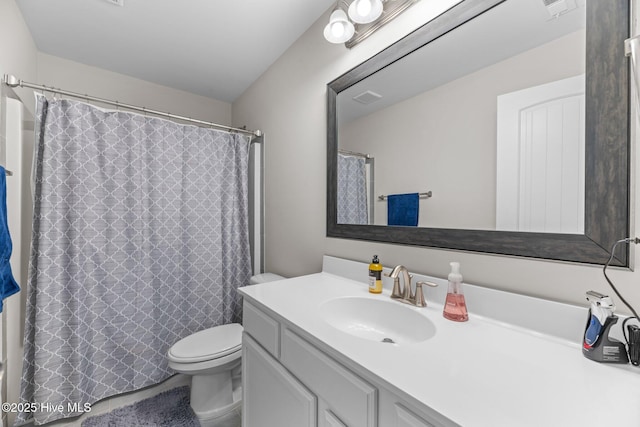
214,48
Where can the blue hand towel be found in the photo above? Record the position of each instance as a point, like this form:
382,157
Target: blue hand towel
402,209
8,285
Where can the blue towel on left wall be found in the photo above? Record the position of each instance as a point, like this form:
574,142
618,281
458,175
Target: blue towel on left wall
402,209
8,285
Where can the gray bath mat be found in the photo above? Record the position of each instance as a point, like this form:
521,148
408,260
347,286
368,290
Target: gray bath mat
167,409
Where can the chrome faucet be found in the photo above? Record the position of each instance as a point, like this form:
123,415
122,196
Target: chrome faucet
405,294
396,293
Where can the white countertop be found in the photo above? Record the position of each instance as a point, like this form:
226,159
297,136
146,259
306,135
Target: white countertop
477,373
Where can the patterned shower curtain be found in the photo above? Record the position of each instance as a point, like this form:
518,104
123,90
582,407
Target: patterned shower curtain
140,238
352,190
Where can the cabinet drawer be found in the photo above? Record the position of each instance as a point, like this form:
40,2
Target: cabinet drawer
352,400
262,328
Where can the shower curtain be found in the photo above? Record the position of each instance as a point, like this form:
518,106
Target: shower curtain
140,238
352,190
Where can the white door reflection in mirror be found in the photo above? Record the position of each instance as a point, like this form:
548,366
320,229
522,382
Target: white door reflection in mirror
540,158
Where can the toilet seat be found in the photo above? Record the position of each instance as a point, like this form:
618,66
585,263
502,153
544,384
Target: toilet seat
208,344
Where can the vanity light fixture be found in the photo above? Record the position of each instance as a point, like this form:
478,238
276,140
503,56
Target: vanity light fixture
365,11
365,17
339,29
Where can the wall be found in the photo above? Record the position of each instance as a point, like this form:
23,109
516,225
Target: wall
80,78
406,139
18,56
18,53
288,103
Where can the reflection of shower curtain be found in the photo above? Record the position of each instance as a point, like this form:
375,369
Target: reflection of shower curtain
140,238
352,190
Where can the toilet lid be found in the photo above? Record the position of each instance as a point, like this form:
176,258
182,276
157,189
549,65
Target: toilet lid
208,344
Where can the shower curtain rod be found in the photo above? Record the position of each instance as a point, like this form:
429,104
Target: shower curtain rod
354,153
12,81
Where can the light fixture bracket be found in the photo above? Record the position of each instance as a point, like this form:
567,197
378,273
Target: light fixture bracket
391,9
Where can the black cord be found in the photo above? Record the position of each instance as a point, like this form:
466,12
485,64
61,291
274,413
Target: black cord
633,343
604,271
632,334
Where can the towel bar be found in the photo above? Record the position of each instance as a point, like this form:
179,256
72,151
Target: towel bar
426,195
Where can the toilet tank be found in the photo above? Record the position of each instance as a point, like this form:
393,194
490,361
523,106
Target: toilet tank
264,278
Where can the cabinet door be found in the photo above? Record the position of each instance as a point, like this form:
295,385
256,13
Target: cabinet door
272,397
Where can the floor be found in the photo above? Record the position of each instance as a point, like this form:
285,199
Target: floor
109,404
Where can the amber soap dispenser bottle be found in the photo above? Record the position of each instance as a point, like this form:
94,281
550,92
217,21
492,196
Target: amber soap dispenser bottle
375,276
455,307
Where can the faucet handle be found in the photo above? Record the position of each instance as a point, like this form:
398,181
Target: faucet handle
419,298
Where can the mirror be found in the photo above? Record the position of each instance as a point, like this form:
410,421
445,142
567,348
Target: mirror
500,134
509,118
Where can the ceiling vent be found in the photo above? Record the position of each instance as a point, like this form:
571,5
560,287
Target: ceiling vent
558,7
116,2
367,97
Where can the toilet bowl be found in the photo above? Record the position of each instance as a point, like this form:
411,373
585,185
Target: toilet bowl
213,359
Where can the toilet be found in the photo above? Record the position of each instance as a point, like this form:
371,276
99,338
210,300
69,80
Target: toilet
213,359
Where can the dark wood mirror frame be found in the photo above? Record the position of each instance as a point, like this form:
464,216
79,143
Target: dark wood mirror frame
607,180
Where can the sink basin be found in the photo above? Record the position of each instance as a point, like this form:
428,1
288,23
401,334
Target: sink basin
380,320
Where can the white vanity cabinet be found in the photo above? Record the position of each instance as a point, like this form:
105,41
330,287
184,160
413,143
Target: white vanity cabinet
289,381
321,338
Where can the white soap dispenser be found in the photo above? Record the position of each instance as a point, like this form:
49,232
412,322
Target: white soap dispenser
455,307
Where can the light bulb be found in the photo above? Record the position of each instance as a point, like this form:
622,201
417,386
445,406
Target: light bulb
363,7
337,29
365,11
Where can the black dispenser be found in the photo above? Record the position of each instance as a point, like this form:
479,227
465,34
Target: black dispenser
597,345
